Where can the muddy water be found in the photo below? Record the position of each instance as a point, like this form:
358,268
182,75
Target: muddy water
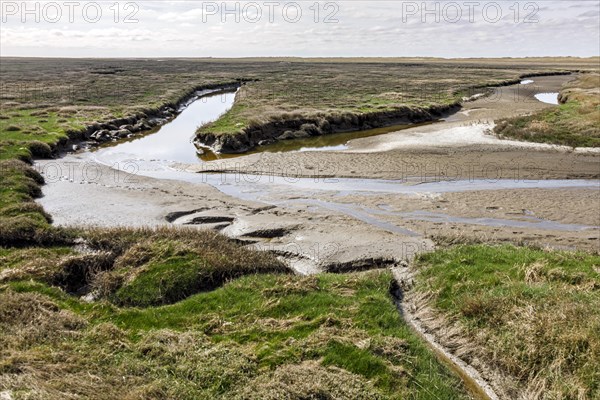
173,142
333,142
264,187
531,222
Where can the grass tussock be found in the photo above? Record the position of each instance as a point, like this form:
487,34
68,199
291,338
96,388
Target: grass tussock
573,123
533,314
24,230
148,267
310,380
23,222
162,266
338,337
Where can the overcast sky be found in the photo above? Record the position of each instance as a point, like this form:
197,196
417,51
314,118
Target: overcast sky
303,28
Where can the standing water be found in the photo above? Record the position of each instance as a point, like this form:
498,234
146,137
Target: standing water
550,98
172,142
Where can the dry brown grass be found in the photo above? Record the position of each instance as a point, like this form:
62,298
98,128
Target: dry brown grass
309,380
574,123
532,315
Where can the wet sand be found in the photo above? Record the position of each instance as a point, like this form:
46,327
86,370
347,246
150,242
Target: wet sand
309,239
460,148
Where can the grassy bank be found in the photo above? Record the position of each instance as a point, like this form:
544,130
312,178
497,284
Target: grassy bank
533,314
257,337
575,122
22,221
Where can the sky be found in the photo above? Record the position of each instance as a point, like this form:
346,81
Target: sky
346,28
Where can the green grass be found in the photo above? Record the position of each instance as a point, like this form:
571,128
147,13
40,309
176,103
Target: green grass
534,314
343,90
231,121
145,267
574,123
255,336
23,130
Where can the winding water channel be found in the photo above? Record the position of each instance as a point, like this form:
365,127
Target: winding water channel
154,155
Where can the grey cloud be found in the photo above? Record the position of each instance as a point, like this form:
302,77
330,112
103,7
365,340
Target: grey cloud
590,14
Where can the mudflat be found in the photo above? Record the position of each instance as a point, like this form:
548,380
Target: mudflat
316,225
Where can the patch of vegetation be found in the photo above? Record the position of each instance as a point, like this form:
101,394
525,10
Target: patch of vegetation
145,267
328,89
575,122
534,314
23,222
257,337
170,265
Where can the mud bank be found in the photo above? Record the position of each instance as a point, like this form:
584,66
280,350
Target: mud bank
137,125
519,80
274,131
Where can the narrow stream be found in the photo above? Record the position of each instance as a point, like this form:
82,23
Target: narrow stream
172,142
334,142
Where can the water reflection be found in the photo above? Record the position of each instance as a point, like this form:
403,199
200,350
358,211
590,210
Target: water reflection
172,142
